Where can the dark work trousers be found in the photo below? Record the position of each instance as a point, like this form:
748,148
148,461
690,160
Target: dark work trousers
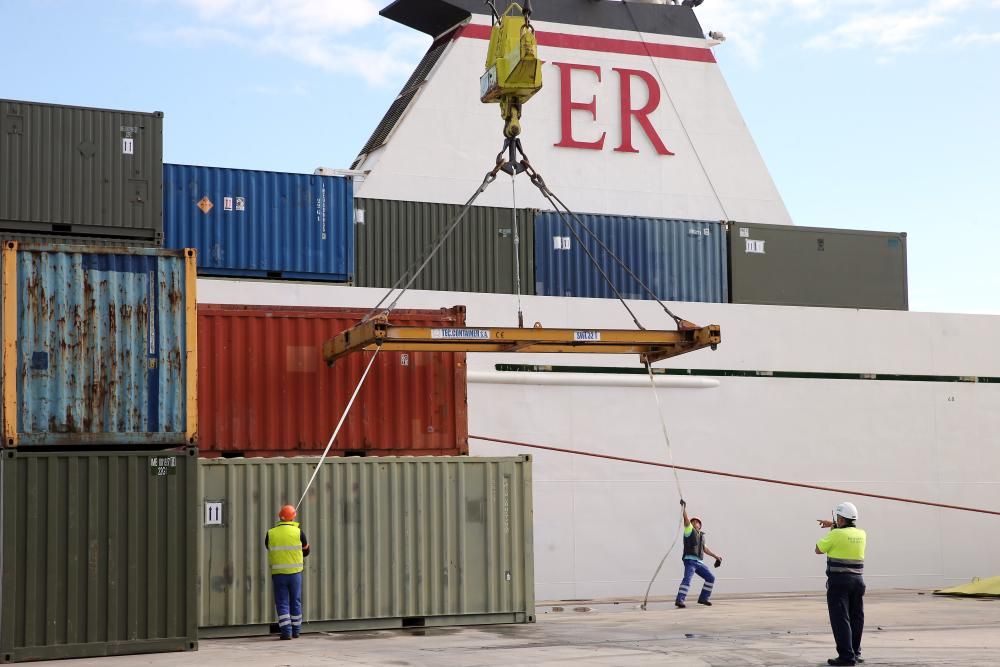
288,603
845,598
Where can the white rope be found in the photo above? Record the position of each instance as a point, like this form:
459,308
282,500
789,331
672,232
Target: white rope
336,431
677,480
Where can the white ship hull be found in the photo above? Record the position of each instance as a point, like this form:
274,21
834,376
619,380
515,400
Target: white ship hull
602,526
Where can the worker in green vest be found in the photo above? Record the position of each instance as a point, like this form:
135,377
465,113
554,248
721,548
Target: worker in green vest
844,547
287,548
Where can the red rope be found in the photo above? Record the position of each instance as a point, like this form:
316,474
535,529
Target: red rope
767,480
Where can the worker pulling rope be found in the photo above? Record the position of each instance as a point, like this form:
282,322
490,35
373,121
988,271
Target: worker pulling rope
733,475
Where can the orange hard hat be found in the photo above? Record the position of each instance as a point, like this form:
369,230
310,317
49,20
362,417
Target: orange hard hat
287,513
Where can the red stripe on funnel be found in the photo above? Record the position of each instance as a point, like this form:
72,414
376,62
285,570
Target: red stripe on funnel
561,40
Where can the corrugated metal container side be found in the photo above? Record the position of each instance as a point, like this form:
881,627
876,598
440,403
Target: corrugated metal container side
394,542
812,266
99,553
75,170
99,346
680,260
261,223
63,239
266,389
477,257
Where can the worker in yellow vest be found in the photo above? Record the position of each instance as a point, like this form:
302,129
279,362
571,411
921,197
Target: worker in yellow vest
287,548
844,547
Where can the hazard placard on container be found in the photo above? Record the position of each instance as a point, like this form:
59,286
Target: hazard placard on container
205,204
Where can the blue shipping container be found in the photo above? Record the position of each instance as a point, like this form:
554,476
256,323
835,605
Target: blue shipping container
680,260
261,223
99,345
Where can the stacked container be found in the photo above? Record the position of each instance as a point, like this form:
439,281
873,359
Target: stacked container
99,411
266,390
677,260
98,473
261,224
81,171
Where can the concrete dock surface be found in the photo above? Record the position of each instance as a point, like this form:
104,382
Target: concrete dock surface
902,628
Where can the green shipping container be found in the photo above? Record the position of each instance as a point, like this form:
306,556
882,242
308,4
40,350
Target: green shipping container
396,542
98,553
788,265
391,236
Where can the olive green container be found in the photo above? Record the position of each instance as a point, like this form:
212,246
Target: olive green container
393,236
98,553
396,542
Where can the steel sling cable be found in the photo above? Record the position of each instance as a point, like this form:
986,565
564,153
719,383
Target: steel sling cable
336,431
646,288
413,267
536,179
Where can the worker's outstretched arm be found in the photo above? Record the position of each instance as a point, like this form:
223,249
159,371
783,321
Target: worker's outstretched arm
684,505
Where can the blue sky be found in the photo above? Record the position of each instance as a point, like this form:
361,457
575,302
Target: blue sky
875,114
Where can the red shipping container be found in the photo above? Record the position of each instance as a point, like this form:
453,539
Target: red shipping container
265,390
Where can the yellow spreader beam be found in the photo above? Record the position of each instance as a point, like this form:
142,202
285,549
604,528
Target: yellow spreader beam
651,346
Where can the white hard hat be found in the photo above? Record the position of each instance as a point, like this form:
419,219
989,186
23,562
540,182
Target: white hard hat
847,510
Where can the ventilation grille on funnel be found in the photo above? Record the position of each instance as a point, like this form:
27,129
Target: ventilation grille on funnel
404,98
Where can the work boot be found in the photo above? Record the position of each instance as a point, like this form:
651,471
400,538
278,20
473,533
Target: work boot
286,637
680,605
840,661
705,602
858,659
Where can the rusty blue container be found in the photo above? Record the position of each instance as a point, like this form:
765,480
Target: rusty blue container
261,224
99,346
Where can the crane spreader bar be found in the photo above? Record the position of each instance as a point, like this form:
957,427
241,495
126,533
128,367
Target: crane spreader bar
651,346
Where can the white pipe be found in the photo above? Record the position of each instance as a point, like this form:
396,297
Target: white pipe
590,380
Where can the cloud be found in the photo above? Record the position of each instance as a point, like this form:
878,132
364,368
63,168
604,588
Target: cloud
318,33
898,30
889,25
977,38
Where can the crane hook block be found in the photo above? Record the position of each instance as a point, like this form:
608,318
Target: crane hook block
513,70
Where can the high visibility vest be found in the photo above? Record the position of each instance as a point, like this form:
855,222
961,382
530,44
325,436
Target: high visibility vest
284,548
845,550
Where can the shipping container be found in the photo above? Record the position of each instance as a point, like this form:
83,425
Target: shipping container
64,239
266,389
813,266
75,170
393,236
261,223
99,553
98,346
395,542
679,260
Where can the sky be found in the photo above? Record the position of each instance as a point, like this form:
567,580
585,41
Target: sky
870,114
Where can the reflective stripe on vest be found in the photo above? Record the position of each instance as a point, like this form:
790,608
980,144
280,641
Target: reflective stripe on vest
284,548
845,565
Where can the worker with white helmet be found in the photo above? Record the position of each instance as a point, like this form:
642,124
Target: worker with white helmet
844,547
